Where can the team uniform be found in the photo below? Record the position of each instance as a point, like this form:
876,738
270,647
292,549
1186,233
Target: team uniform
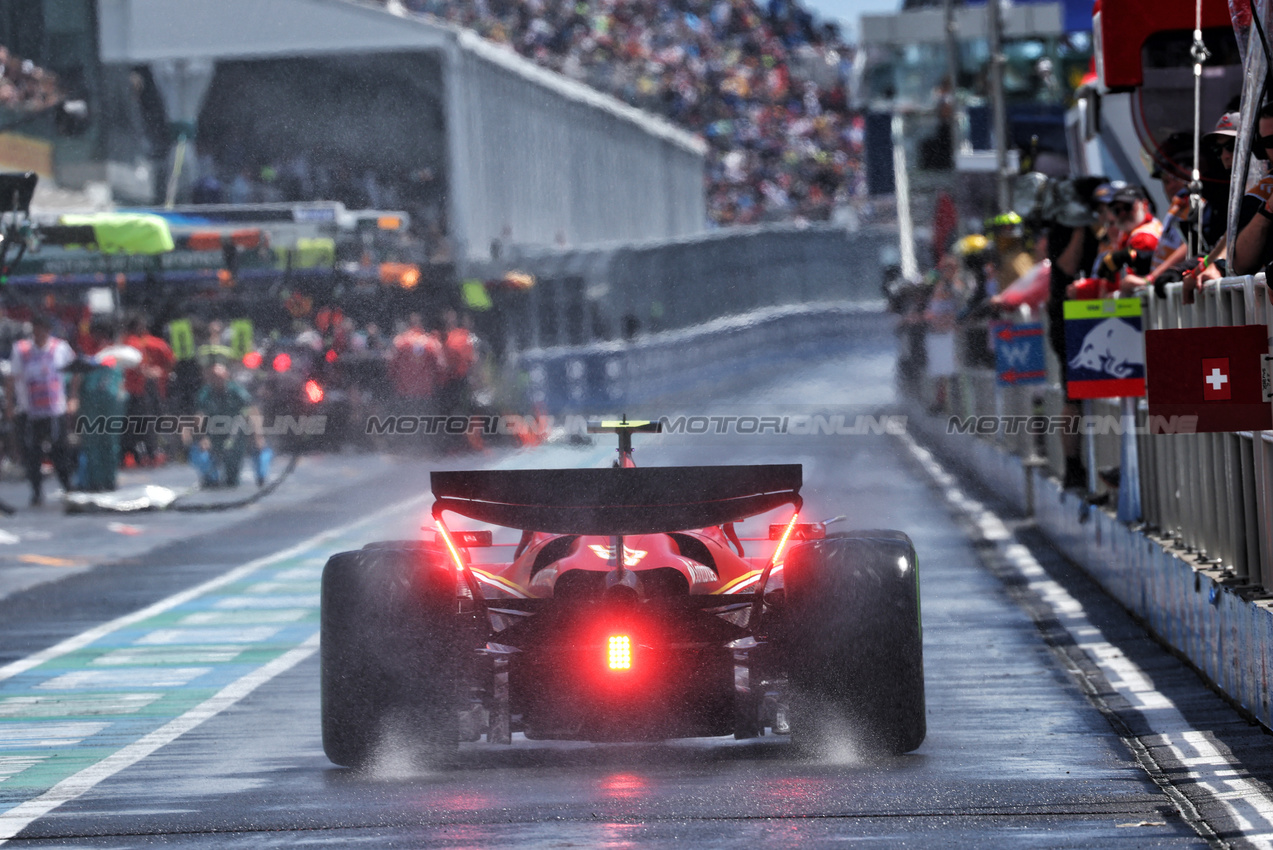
40,402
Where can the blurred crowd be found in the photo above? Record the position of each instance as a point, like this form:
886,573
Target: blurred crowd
1080,239
763,84
65,371
308,176
24,86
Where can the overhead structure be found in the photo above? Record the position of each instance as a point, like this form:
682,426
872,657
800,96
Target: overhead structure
1121,31
530,157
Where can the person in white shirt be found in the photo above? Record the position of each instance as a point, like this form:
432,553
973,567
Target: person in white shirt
38,403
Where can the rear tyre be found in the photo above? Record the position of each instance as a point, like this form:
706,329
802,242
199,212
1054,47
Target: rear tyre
390,655
854,642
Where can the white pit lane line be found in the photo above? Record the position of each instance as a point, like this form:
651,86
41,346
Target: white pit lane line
17,818
1207,767
247,606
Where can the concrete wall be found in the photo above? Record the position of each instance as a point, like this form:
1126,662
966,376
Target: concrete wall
540,160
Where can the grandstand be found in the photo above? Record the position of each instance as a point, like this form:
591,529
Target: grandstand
763,84
25,86
767,88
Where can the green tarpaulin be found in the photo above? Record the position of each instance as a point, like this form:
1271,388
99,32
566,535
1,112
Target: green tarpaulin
125,233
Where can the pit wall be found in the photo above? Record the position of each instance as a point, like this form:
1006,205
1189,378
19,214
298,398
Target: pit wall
1219,628
721,354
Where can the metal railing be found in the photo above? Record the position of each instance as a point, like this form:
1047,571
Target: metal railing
1209,495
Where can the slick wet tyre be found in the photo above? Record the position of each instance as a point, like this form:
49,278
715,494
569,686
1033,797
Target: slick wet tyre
390,653
854,642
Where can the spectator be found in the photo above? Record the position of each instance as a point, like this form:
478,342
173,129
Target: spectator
187,375
219,455
38,403
208,190
24,86
459,356
1073,250
1137,238
1220,144
1012,257
1253,249
1168,261
1217,166
939,318
1107,234
455,395
1139,232
782,142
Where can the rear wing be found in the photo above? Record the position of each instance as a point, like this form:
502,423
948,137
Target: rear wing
616,501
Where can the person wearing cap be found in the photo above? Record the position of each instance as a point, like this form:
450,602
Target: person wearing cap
1073,248
1216,167
1138,232
38,403
1253,248
1107,234
1168,261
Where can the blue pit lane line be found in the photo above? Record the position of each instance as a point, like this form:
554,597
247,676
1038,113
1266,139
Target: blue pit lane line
77,713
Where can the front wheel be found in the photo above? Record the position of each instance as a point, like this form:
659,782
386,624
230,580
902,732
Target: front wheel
854,641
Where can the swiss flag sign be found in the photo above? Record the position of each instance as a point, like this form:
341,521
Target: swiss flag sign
1216,385
1213,374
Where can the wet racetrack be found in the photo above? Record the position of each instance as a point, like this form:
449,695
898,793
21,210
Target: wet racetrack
195,721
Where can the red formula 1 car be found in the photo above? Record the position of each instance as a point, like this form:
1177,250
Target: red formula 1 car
630,610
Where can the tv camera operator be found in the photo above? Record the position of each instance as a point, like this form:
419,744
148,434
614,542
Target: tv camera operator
1068,212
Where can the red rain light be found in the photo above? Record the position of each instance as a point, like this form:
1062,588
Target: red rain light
252,360
450,546
786,535
313,391
620,648
331,355
282,362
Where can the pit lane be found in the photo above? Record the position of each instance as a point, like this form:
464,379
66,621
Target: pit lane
1027,744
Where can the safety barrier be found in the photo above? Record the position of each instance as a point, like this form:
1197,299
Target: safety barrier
605,376
604,293
1208,495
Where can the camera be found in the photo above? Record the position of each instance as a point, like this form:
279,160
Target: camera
1041,200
